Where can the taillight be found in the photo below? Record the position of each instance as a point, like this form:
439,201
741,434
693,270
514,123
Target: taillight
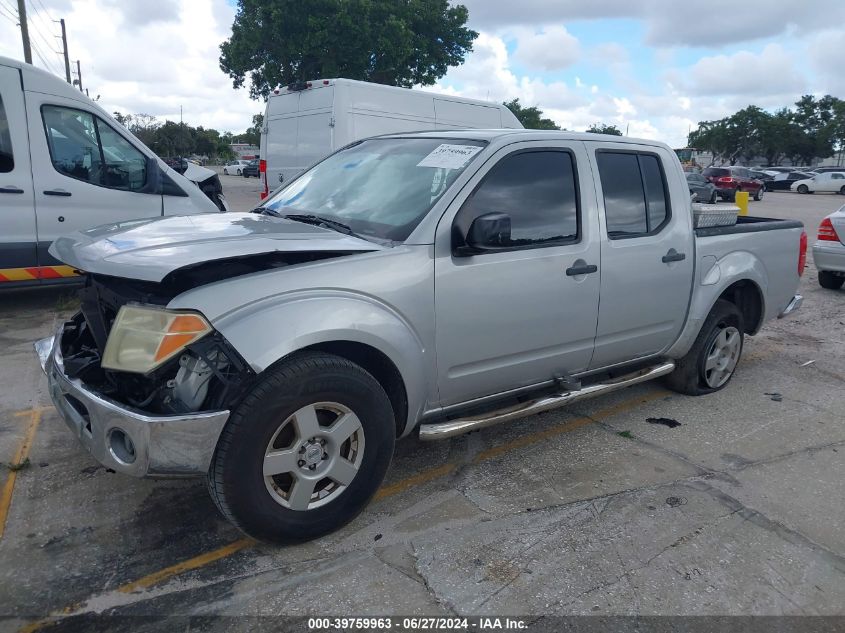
725,179
826,231
802,253
262,168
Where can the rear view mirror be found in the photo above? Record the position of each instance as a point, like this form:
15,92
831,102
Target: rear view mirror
490,231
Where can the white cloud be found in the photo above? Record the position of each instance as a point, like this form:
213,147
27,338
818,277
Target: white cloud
553,48
772,72
825,52
149,56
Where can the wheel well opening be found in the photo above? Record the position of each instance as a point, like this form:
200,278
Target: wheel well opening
746,296
381,368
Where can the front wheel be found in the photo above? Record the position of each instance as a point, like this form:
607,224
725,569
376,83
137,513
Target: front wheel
830,281
758,195
714,198
803,189
305,450
712,360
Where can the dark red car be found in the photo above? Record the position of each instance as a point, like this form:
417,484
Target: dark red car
729,180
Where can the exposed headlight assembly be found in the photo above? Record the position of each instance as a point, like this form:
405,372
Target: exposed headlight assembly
143,338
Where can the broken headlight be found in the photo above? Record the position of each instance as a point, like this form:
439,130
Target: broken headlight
143,338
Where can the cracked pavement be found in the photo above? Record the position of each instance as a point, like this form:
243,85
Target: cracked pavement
736,511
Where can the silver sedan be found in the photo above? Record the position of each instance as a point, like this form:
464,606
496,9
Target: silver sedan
829,250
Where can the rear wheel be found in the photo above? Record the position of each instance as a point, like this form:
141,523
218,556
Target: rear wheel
803,189
758,195
712,360
714,198
225,172
842,190
305,450
830,281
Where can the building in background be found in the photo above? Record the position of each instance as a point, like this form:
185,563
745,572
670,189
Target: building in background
244,151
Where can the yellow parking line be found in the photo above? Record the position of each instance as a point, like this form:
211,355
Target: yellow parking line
384,492
23,452
187,565
25,412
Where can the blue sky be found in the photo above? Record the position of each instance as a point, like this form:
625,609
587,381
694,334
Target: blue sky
654,66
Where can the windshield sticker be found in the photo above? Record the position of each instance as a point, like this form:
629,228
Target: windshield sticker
448,156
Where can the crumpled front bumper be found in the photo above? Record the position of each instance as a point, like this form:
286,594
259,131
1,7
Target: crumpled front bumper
124,439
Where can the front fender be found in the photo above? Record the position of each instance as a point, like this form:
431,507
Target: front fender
266,332
713,278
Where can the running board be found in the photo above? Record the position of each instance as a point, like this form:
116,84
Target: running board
451,428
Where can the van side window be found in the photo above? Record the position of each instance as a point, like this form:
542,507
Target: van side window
537,189
7,159
635,198
85,147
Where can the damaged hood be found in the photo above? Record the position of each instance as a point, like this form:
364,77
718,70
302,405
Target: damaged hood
149,250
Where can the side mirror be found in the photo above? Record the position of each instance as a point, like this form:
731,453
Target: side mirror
487,232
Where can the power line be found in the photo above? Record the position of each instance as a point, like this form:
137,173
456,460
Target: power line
46,11
13,13
12,20
42,56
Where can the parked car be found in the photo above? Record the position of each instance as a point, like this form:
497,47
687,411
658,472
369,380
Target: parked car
281,353
235,167
762,176
824,170
730,180
827,182
251,169
704,190
829,250
783,181
66,164
307,121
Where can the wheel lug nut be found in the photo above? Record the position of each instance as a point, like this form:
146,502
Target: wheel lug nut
312,467
300,463
325,456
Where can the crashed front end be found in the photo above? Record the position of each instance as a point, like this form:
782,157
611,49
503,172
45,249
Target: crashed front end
156,416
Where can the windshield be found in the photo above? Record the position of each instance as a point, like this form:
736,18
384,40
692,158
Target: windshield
379,187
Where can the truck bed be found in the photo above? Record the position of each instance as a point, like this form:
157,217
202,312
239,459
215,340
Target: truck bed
768,247
749,224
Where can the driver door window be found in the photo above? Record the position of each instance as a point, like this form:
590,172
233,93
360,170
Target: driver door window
86,148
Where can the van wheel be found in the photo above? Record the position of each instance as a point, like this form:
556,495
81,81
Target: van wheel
830,281
711,362
304,451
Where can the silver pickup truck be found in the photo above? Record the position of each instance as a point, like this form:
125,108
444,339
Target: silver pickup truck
430,283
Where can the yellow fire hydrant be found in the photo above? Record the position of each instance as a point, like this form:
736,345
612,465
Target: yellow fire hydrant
741,201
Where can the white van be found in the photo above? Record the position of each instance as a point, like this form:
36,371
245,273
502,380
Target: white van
66,164
305,122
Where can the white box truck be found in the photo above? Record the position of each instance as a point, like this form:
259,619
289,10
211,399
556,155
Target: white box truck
305,122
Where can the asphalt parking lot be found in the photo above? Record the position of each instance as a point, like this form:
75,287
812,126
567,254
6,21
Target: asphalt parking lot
598,509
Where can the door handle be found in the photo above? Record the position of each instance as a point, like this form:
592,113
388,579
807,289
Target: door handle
10,190
57,192
584,269
673,256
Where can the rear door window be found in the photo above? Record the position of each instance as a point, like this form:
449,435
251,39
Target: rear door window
715,172
635,193
7,159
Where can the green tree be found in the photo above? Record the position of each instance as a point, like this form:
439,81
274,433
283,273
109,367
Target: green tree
253,133
604,128
530,117
395,42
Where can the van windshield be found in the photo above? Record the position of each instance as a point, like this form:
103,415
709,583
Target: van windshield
381,188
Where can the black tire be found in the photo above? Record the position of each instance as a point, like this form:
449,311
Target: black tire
758,195
803,189
732,195
689,376
236,480
842,190
830,281
714,198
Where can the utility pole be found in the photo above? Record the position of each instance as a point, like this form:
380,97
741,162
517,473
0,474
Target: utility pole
79,76
27,50
64,46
